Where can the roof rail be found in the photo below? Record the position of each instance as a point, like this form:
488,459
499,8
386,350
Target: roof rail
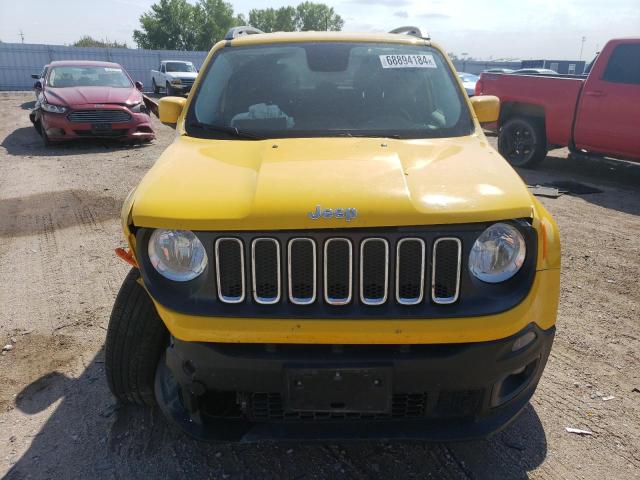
409,30
241,31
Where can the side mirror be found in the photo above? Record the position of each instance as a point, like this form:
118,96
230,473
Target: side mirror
37,85
35,76
139,85
170,108
486,108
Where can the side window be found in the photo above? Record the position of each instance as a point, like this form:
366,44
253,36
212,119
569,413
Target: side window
624,65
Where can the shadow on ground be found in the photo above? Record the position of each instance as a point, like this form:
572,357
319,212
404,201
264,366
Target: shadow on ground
26,141
619,180
90,436
43,213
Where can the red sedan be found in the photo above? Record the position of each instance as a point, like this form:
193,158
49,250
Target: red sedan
85,99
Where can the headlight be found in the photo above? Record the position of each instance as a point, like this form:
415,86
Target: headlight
176,81
177,254
49,107
497,254
138,108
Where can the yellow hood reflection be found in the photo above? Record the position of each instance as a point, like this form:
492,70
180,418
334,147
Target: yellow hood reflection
203,184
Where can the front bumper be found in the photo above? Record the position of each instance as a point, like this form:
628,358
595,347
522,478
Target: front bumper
240,392
59,128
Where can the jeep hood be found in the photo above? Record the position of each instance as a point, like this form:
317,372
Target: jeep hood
202,184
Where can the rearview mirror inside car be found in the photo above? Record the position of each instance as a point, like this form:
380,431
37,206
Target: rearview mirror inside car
170,108
486,108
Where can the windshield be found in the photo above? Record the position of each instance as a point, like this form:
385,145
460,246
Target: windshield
79,76
329,89
180,67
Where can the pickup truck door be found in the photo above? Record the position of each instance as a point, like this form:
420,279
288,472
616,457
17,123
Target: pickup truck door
608,114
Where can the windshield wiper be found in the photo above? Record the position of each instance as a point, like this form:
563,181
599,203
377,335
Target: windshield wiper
233,131
366,135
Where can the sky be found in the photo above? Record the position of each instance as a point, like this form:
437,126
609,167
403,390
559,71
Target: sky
489,29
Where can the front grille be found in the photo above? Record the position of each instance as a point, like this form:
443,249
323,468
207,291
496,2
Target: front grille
447,254
338,271
230,270
99,116
410,271
265,266
302,271
374,271
270,407
337,260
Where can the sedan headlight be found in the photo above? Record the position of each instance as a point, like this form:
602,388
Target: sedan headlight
51,108
497,254
138,108
177,254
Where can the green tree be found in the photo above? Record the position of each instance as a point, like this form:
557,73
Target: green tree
170,25
271,20
306,16
213,18
317,16
88,41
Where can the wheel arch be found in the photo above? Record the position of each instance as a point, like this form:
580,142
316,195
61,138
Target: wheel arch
511,109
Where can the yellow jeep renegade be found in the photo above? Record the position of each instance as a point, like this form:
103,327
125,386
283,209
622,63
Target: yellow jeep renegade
331,249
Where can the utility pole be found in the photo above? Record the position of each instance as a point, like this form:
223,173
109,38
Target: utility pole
22,36
582,47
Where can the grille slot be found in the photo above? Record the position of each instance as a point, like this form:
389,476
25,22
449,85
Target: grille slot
338,271
301,270
374,271
265,407
445,281
230,270
410,269
99,116
265,269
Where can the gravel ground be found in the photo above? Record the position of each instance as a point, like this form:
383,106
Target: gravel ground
59,224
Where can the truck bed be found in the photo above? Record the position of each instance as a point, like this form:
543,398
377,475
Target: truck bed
556,95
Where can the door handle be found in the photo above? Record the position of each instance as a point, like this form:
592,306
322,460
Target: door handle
595,93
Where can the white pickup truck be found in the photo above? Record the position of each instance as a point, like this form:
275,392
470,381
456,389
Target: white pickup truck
174,76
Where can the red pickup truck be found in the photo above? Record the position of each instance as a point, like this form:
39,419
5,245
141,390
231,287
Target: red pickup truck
597,114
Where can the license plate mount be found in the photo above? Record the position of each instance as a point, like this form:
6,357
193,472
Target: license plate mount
101,127
366,390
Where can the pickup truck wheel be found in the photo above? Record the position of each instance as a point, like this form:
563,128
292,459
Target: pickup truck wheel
156,89
167,89
522,141
136,339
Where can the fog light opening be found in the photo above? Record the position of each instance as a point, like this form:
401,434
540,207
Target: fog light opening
514,383
523,341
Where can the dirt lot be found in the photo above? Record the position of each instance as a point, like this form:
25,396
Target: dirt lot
59,223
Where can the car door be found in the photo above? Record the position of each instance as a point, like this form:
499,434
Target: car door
608,114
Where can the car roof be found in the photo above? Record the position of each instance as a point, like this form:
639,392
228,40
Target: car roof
176,61
83,63
284,37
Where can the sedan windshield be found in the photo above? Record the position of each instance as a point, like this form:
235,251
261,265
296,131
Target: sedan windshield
79,76
180,67
328,89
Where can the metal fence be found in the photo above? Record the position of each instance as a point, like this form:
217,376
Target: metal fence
19,60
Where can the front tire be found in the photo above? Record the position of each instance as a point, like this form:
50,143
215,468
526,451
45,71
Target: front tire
522,142
136,338
168,90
